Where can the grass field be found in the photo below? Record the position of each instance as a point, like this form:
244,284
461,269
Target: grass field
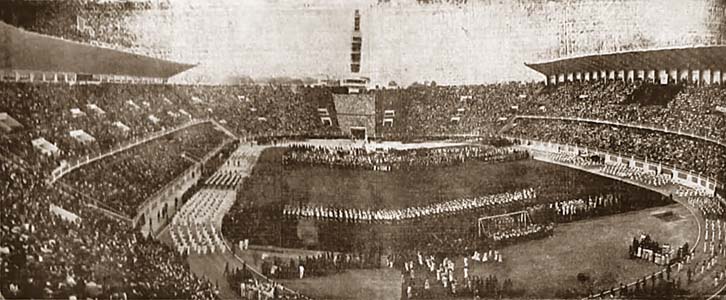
272,182
598,247
380,284
544,268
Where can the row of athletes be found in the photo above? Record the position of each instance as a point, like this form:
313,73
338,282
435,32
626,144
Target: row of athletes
392,215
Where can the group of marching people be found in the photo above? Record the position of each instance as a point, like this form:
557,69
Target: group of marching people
392,159
488,256
393,215
576,209
433,276
646,177
574,159
518,233
711,207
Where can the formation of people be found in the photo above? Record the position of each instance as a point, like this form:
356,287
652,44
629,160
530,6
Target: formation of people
435,277
635,174
575,209
392,159
530,231
394,215
194,229
250,285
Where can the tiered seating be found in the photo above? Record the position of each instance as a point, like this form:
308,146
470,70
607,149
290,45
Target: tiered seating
258,110
670,149
689,109
195,226
45,256
125,180
427,111
111,114
635,174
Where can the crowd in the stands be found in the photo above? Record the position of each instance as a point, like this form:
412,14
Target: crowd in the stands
75,252
682,152
392,159
700,110
686,108
437,110
110,114
116,114
125,180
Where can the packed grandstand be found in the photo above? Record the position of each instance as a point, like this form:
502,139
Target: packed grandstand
117,183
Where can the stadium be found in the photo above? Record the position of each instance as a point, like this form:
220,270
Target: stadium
365,149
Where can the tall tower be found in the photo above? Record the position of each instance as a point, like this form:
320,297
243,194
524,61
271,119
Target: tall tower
356,44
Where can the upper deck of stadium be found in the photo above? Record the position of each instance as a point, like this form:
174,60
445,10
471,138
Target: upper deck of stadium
35,52
697,64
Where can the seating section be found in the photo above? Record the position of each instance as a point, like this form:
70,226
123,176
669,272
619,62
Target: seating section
427,111
671,149
111,114
115,114
195,227
45,255
125,180
692,109
258,110
127,112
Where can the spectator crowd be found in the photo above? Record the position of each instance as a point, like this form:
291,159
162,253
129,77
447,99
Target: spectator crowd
670,149
76,252
125,180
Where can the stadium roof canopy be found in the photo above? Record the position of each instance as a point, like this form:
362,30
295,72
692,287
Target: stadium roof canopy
23,50
692,58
